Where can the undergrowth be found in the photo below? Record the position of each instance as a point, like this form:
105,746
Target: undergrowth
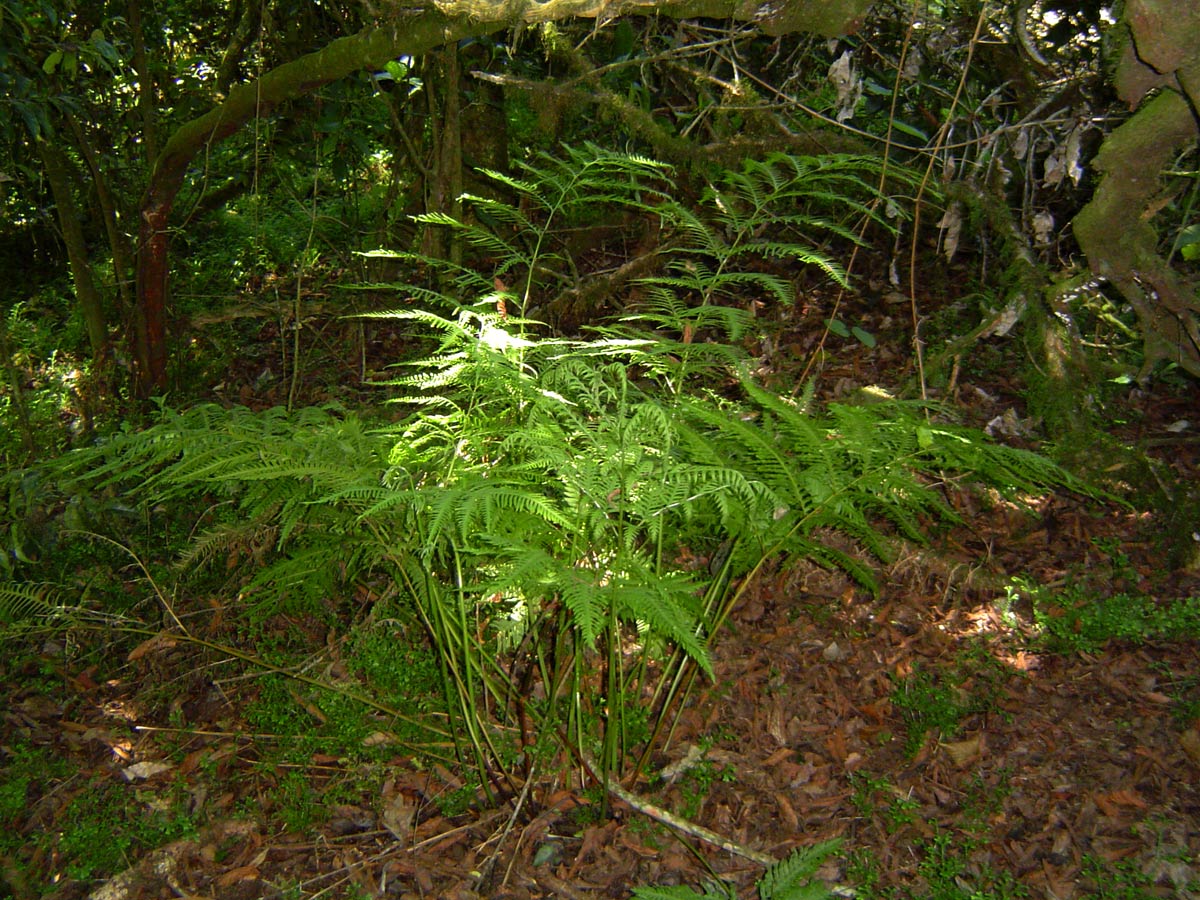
531,507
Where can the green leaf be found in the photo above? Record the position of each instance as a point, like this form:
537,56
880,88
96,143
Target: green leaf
911,130
838,327
1188,242
52,62
865,337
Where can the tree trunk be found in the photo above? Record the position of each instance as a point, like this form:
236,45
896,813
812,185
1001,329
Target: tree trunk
145,82
249,20
446,187
1115,229
57,170
17,387
118,241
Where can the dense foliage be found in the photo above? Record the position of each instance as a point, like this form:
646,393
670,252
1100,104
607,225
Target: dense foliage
329,318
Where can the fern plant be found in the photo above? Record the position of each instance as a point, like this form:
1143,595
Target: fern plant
774,211
21,601
521,242
792,878
533,500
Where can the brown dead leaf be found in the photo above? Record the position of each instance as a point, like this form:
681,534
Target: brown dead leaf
877,711
1190,742
787,812
398,817
1110,803
146,769
309,707
963,753
379,739
835,743
594,837
783,753
233,876
1127,797
160,641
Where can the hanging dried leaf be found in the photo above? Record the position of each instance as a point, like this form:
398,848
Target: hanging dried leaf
848,84
951,223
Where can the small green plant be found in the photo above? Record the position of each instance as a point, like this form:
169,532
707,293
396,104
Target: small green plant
107,824
876,797
1122,880
841,329
24,770
793,878
697,782
1075,620
277,710
296,804
928,705
983,800
944,868
455,802
1184,691
862,870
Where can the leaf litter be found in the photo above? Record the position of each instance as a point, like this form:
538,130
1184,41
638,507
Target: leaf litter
953,754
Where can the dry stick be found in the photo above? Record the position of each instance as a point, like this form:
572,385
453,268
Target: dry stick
669,818
162,598
233,652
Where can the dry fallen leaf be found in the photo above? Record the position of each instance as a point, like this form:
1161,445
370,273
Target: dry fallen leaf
787,812
398,817
1190,742
143,770
160,641
241,873
962,753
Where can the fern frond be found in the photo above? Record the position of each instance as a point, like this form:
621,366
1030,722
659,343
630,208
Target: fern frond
667,603
20,601
220,543
587,601
792,879
712,891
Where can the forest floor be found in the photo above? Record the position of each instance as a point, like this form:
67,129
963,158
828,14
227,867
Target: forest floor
956,743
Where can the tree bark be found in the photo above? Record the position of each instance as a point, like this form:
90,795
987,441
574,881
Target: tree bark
249,20
57,169
409,33
118,241
145,82
1115,230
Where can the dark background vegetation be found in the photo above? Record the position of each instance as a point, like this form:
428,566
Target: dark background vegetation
431,431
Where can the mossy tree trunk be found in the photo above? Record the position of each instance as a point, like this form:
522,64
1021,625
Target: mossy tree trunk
58,172
445,184
1115,230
